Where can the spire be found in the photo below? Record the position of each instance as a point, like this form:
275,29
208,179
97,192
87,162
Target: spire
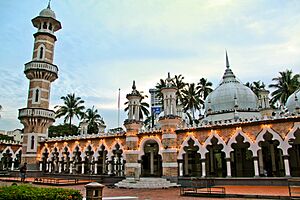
228,75
49,4
133,85
227,61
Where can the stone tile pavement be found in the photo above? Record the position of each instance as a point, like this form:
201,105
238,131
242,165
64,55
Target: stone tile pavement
173,193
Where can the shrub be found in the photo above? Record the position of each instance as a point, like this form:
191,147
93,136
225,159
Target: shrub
27,192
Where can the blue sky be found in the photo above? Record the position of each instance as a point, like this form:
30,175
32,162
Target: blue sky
105,44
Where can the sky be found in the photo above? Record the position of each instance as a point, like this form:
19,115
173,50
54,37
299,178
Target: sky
106,44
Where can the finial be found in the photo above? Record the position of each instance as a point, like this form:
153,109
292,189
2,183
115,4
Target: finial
49,4
227,61
133,85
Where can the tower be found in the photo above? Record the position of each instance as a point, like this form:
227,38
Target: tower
169,123
133,124
41,72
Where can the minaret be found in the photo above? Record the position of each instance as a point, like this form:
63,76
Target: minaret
41,72
133,125
169,122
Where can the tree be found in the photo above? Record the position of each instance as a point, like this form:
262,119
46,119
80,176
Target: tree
93,119
191,99
204,88
161,84
72,108
256,86
285,85
62,130
178,82
0,109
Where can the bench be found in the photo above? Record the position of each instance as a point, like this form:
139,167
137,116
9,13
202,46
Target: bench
294,188
200,187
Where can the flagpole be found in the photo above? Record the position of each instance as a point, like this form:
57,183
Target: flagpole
119,108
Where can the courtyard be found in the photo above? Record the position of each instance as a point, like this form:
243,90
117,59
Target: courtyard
232,192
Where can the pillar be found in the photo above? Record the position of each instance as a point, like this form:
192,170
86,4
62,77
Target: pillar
96,168
71,168
228,165
180,169
41,166
59,166
287,165
12,166
256,169
50,168
203,168
82,168
109,167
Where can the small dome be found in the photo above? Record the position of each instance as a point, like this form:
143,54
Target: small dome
47,12
293,101
230,95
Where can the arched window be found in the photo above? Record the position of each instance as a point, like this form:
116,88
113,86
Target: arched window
50,27
32,142
45,25
37,95
41,53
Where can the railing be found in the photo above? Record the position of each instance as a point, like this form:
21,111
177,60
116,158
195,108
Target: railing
41,65
36,112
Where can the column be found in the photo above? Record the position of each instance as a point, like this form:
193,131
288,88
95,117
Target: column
256,170
287,165
96,168
151,162
228,164
12,166
71,168
260,162
41,166
47,166
82,168
203,168
180,169
109,167
59,167
50,168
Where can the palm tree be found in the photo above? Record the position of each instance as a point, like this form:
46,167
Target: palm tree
177,82
191,99
93,119
256,86
0,109
161,84
204,88
72,108
286,84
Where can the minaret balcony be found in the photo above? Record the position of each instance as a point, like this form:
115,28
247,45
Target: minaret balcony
41,65
36,112
49,71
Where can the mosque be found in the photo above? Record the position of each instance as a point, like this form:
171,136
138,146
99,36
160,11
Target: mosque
238,136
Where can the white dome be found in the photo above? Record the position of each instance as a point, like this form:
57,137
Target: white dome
293,101
47,12
230,95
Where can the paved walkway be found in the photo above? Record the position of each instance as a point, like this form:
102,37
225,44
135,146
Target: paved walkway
173,193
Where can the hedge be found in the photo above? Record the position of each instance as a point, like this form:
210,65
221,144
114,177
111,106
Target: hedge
27,192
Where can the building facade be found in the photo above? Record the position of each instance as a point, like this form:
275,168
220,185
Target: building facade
236,137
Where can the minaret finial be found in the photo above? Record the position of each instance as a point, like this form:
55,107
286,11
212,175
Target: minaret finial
227,61
133,85
49,4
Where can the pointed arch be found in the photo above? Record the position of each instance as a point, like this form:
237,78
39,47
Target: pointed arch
144,141
208,142
233,140
96,154
289,136
260,138
41,51
185,143
113,147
